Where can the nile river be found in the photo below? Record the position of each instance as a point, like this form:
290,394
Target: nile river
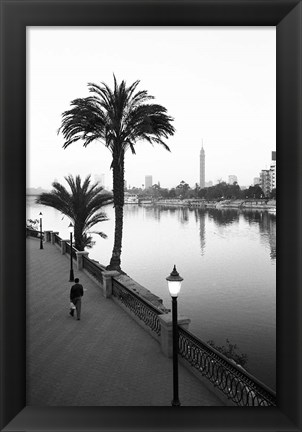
226,257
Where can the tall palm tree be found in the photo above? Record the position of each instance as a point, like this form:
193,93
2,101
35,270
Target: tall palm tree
118,118
82,205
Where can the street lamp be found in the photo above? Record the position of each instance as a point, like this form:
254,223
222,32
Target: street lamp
174,285
71,278
41,236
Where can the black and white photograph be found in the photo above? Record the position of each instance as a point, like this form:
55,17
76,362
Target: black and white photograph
139,144
151,216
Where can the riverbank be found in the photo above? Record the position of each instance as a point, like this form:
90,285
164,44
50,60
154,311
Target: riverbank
248,204
259,204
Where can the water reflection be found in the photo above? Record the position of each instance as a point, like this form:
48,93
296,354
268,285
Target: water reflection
181,212
267,228
228,222
253,216
268,232
272,235
184,215
224,217
152,212
202,232
265,221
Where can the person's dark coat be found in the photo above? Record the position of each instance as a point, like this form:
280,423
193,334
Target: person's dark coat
76,291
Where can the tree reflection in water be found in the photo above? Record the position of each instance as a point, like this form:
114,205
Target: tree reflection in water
222,218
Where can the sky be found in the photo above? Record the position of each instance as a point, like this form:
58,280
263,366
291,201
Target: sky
218,83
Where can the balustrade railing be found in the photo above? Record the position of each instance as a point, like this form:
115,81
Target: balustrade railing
58,240
144,310
236,383
73,250
33,233
93,269
67,246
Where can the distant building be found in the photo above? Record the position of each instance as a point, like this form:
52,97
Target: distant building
202,168
257,181
232,179
148,181
273,176
268,177
273,170
209,184
265,182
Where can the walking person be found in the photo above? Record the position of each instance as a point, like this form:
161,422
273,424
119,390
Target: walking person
76,294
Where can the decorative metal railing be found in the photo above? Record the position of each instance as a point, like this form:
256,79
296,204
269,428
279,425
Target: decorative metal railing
239,386
73,251
67,246
33,233
58,240
93,269
144,310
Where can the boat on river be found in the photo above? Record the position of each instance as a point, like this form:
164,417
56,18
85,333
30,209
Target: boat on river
145,201
131,199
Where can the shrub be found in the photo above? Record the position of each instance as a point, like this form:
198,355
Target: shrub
231,351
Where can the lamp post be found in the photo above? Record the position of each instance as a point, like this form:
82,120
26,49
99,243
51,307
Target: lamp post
41,236
174,285
71,277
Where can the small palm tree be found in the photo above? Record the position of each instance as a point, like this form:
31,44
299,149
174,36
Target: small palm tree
82,205
118,118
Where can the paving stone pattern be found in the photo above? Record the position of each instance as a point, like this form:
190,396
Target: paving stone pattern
105,359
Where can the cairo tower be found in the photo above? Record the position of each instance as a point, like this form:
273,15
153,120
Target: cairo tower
202,168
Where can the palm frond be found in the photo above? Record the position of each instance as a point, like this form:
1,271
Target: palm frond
100,233
82,204
118,117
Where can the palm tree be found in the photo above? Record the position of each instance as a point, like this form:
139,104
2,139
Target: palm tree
82,205
118,118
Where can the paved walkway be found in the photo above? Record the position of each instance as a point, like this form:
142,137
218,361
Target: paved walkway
105,359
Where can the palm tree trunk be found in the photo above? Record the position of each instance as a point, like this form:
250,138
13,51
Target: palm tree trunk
118,190
78,238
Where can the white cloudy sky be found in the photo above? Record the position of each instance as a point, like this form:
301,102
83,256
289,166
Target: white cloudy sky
217,82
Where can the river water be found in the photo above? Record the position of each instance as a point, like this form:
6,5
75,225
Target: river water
226,257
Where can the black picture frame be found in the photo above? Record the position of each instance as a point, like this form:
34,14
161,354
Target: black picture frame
15,16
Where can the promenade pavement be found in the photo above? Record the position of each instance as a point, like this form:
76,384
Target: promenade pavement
105,359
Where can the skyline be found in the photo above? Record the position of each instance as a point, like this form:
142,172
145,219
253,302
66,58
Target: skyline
206,183
101,178
217,83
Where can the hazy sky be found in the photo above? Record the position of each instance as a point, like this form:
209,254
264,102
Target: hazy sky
218,83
